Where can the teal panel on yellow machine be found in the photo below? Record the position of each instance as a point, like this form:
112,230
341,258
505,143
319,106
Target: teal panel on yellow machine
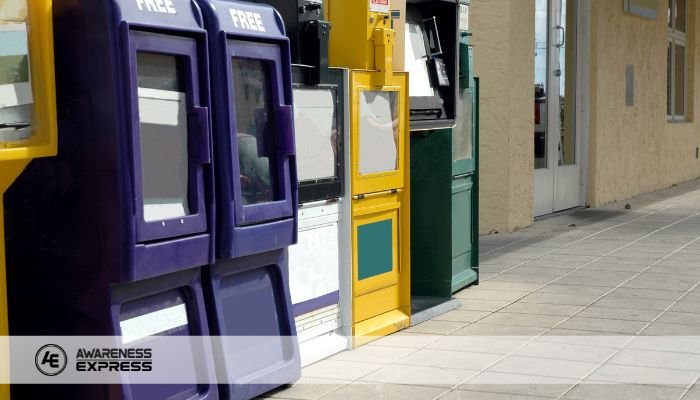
438,56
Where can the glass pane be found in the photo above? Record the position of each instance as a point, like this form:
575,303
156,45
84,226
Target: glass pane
670,13
417,61
316,131
163,138
680,15
255,130
567,86
541,45
679,78
669,79
15,81
462,134
379,131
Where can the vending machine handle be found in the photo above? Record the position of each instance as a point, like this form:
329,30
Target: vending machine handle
199,140
285,120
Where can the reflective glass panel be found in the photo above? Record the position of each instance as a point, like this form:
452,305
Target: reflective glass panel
379,131
679,77
163,136
255,130
540,90
16,101
417,62
316,133
462,134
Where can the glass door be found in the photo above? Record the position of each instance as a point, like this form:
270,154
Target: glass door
557,167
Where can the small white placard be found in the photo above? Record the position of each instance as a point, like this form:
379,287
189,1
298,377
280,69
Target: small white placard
150,324
380,6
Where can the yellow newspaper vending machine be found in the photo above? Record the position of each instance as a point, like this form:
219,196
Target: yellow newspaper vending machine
362,40
27,105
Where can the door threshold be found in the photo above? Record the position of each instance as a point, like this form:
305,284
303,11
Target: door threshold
568,211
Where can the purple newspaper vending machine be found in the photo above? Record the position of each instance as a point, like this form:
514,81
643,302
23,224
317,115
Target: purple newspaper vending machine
247,289
110,237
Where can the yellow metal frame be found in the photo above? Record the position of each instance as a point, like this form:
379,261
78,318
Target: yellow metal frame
14,156
381,304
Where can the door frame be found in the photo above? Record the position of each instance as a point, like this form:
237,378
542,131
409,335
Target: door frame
582,103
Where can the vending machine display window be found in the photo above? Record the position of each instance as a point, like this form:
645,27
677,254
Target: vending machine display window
379,131
255,131
462,146
16,101
171,139
317,134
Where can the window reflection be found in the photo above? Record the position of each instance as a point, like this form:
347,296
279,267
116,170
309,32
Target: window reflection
315,125
163,136
15,81
255,130
379,131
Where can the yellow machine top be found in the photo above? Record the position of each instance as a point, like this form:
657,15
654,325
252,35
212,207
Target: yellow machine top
361,46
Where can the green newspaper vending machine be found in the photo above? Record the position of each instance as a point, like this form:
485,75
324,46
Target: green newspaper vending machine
438,56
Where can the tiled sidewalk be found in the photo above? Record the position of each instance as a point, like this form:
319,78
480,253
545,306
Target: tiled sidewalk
579,306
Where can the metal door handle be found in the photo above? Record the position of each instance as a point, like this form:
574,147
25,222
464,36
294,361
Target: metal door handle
563,36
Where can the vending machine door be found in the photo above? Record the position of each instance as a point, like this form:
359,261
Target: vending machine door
170,134
263,130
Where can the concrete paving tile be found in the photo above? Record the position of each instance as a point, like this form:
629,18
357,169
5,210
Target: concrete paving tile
418,375
662,281
544,367
450,359
483,305
474,395
657,359
675,270
551,389
659,329
542,309
679,318
585,338
504,318
673,344
601,281
686,307
492,345
647,293
565,351
611,301
569,289
480,329
509,286
603,325
693,395
643,375
373,354
381,391
462,316
528,269
476,294
343,370
513,276
611,267
435,327
307,389
626,314
693,296
403,339
556,298
616,259
623,392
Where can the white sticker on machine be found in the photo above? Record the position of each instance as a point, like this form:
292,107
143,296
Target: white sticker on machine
380,6
463,17
150,324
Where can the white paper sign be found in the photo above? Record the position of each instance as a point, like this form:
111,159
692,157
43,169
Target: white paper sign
380,6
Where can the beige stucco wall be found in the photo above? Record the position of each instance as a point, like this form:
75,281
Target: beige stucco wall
634,149
503,40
